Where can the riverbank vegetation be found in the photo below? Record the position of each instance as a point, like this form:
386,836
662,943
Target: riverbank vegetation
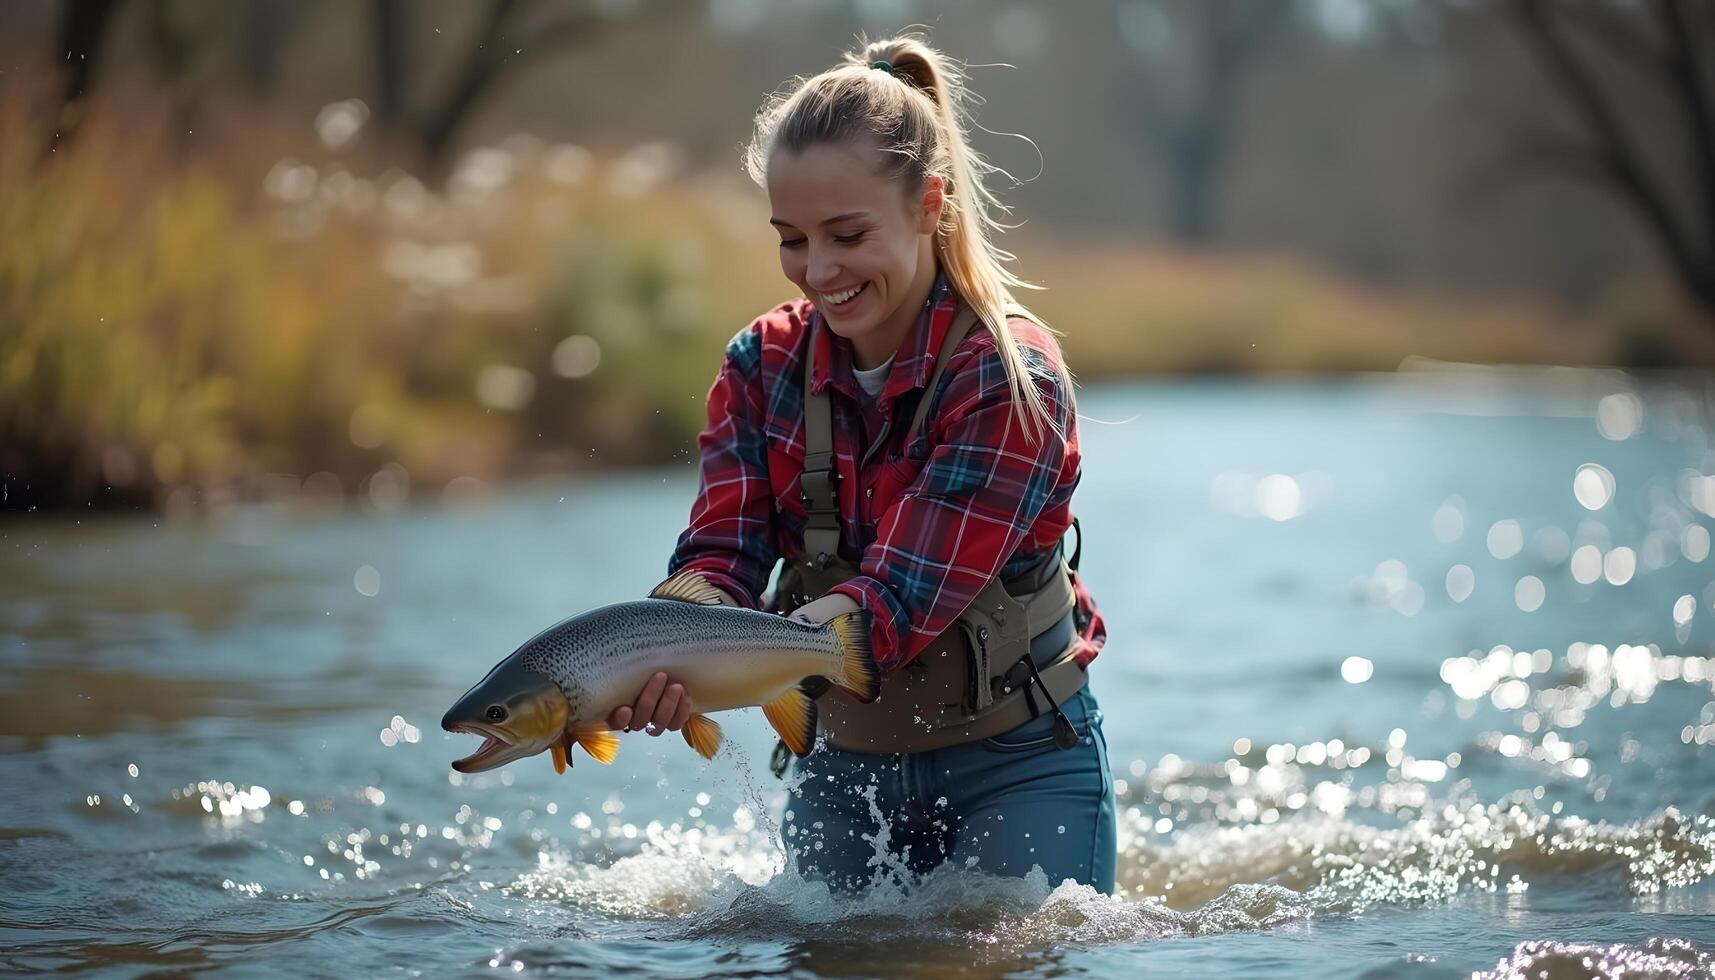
276,317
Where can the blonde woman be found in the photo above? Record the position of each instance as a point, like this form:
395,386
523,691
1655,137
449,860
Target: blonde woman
904,437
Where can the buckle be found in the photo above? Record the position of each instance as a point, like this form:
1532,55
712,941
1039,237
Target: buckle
817,485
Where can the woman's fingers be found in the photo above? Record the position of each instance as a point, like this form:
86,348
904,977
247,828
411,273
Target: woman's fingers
644,709
661,707
666,708
683,714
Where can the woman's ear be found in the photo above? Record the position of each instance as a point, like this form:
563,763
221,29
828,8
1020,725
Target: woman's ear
930,207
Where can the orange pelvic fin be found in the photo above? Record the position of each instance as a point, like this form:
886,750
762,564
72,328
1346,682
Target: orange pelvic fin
601,744
560,756
704,735
793,716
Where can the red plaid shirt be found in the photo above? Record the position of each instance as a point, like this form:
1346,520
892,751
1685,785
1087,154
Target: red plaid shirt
934,520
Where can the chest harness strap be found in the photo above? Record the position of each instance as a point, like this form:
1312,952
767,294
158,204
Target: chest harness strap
983,674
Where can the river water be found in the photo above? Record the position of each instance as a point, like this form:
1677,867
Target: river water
1407,676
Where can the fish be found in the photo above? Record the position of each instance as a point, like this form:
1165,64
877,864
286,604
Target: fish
556,691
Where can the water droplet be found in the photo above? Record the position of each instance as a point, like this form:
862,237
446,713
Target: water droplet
1618,416
1506,539
1356,670
1587,564
1461,581
1593,485
367,581
1619,565
1684,609
1449,520
1529,593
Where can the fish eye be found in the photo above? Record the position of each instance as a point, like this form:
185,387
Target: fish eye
495,713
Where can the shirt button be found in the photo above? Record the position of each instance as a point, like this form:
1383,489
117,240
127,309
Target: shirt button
870,493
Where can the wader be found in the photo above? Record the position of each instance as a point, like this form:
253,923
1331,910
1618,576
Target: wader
1007,659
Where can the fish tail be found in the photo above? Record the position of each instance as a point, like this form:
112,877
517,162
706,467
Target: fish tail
857,672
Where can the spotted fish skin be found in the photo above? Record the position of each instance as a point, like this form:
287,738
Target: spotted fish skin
725,656
559,688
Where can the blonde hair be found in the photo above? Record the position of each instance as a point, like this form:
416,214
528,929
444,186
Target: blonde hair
914,115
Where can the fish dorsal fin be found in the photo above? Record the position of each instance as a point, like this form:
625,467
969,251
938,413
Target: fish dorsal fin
601,744
688,586
702,734
793,716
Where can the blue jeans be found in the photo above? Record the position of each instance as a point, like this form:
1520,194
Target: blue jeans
999,805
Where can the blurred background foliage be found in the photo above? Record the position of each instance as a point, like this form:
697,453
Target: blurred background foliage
297,252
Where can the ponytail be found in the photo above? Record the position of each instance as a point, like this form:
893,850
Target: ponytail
914,113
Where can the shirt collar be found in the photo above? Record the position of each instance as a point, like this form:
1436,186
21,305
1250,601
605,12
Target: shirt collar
912,363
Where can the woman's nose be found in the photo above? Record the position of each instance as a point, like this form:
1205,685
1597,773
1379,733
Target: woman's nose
823,272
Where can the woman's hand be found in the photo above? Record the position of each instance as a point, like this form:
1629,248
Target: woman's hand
819,611
661,707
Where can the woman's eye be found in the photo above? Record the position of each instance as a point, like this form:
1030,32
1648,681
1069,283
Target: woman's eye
842,239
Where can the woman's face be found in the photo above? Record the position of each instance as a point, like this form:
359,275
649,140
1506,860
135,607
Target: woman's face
860,248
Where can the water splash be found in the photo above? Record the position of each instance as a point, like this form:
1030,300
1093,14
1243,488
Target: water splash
1657,958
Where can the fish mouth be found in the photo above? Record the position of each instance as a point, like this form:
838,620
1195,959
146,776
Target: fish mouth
516,713
495,751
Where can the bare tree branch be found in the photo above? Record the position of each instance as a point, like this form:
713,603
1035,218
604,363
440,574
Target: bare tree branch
1620,37
1537,24
1688,70
490,61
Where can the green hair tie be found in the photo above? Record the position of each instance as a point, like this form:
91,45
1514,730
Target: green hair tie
886,66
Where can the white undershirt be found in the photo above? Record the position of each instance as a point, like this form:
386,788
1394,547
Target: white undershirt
873,380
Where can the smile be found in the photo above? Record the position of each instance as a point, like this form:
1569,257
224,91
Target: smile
841,300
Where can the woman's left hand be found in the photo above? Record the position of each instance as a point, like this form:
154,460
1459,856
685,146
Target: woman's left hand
661,707
821,610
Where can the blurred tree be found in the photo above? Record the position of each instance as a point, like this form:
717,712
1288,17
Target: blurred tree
82,26
510,35
267,25
392,68
1670,46
187,43
1197,54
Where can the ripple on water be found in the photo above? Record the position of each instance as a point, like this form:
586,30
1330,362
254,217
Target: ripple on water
356,856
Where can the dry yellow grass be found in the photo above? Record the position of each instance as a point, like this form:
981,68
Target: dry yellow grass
222,323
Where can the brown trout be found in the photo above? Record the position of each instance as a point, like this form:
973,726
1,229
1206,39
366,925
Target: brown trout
558,689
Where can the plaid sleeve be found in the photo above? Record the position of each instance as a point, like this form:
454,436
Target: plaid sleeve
729,539
980,491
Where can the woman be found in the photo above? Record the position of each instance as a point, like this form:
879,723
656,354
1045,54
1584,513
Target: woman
905,434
